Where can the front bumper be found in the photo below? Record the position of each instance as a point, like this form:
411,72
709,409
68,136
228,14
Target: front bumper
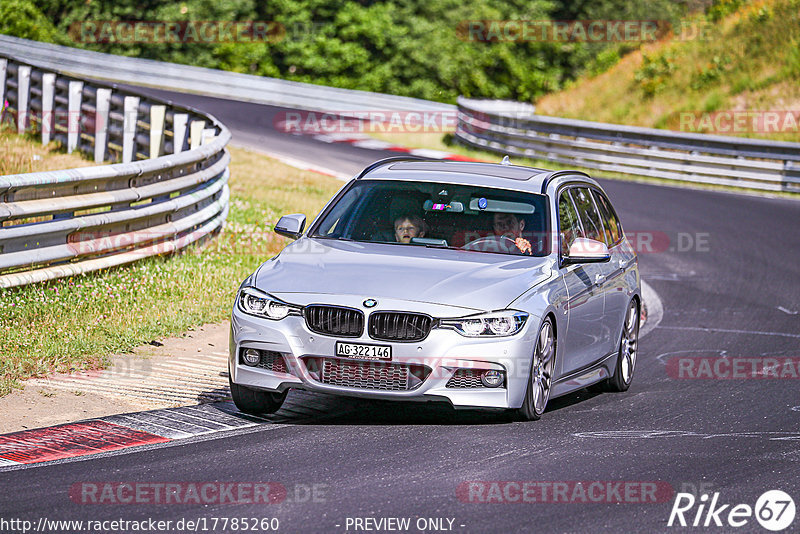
442,354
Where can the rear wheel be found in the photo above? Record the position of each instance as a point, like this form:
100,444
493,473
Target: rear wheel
256,402
628,350
538,392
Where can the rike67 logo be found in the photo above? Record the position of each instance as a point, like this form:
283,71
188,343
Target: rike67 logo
774,510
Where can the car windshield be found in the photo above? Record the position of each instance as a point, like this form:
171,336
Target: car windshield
439,215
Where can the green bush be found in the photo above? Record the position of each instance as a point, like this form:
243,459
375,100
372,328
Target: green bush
655,71
404,47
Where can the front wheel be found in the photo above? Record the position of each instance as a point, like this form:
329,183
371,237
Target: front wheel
256,402
541,378
628,350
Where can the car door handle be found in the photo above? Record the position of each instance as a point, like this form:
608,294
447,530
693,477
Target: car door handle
599,279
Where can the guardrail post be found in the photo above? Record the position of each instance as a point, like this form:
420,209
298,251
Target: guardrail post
208,135
48,96
74,115
3,69
157,115
130,117
23,97
101,124
179,122
196,133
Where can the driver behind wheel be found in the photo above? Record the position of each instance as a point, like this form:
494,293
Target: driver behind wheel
510,226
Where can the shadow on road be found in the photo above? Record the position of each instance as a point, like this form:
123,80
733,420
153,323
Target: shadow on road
311,408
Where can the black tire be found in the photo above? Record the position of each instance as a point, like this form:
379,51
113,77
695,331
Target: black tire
256,402
627,352
541,376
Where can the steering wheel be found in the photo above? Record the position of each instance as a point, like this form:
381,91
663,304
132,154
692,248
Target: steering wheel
492,243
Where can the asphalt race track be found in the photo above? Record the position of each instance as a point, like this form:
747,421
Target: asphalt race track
727,270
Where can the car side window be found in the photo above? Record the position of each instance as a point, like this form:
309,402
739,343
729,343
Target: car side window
610,220
587,212
568,222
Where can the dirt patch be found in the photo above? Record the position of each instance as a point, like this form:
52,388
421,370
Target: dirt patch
176,371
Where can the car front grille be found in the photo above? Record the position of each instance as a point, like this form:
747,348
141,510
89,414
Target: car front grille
334,320
272,361
465,378
366,374
399,326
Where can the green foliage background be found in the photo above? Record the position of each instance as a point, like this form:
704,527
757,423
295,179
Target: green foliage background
403,47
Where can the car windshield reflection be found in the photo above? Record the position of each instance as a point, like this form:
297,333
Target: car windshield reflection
439,215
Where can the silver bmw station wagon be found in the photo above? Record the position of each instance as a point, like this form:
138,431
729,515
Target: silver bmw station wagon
481,285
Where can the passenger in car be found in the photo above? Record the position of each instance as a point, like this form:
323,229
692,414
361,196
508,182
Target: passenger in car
407,227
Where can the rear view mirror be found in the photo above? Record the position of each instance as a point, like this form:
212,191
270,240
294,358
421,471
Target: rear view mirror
584,250
291,225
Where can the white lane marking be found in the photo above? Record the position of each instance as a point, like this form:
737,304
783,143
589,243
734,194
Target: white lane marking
655,309
501,454
340,137
730,331
430,153
651,434
373,144
790,312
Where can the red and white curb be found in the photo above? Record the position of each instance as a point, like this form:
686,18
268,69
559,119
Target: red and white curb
359,141
118,432
156,427
370,143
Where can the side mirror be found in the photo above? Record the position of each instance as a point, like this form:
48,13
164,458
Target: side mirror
584,250
291,225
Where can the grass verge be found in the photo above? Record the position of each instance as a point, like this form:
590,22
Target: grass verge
74,323
21,154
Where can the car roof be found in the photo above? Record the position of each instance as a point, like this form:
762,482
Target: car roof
464,172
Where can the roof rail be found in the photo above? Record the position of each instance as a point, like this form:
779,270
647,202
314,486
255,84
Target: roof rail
556,174
372,166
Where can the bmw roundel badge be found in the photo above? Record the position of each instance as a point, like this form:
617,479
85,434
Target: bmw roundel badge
370,303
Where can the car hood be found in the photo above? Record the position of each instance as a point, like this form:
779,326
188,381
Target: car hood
475,280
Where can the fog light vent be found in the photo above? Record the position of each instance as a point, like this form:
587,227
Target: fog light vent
251,357
492,378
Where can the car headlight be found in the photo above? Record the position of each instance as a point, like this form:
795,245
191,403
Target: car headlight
255,302
499,323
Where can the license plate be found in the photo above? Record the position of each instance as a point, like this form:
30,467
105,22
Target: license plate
362,351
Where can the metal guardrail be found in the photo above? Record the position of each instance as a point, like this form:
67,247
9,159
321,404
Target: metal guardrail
210,82
169,189
700,158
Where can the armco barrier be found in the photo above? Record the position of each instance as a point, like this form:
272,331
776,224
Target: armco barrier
168,190
210,82
707,159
